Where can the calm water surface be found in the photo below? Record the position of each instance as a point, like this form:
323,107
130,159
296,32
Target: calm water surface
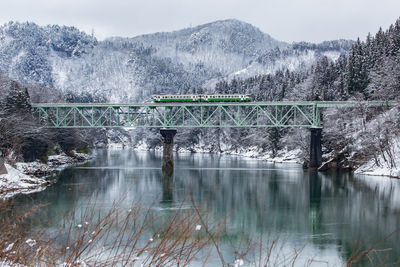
326,214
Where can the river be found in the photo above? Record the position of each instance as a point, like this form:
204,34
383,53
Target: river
323,214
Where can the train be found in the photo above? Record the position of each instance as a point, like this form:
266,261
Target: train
202,98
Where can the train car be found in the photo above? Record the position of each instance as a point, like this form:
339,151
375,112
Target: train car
176,98
202,98
225,98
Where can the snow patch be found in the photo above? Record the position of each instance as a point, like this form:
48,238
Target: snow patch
16,182
387,162
62,160
25,177
35,168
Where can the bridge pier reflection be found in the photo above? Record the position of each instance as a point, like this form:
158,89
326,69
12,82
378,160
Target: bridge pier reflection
167,187
168,145
315,197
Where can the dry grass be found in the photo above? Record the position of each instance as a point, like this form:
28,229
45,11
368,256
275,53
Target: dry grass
119,237
371,256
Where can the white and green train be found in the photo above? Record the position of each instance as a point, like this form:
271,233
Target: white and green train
202,98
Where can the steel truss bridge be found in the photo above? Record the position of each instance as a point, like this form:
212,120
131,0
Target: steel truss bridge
190,115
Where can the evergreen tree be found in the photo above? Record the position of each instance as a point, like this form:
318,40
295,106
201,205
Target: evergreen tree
357,69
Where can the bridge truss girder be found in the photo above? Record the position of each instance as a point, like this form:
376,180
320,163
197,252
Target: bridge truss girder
215,115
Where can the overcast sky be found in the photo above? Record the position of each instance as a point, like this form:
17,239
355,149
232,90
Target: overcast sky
286,20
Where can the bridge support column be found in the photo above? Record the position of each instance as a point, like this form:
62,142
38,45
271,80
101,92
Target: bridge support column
315,148
3,169
168,144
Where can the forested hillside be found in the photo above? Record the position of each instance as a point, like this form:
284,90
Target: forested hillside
21,138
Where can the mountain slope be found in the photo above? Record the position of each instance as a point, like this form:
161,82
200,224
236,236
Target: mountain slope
25,49
226,44
132,69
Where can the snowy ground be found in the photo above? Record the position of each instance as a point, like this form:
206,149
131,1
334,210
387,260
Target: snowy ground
16,182
27,178
384,165
283,156
61,161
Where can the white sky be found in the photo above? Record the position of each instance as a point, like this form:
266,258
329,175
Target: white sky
285,20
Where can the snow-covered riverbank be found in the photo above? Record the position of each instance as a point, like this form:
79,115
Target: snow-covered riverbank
379,167
26,178
283,156
386,164
16,182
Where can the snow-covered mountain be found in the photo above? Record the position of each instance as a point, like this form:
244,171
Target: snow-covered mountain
293,57
131,69
26,50
224,46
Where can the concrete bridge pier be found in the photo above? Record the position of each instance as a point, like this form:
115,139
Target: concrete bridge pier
315,148
3,169
168,145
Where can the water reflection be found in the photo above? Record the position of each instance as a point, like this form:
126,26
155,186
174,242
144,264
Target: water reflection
167,187
328,212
